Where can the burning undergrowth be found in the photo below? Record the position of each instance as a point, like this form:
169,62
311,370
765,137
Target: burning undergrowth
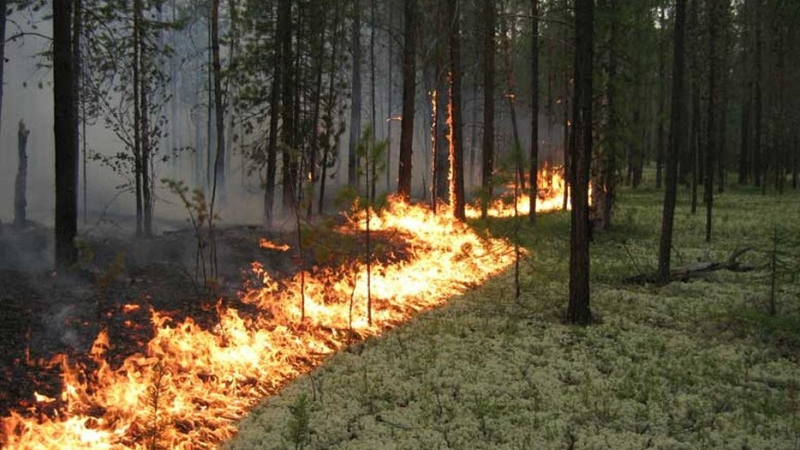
183,379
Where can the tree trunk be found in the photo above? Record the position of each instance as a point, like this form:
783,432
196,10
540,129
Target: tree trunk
66,213
662,95
137,119
3,14
21,182
409,90
578,311
758,150
677,141
534,156
489,51
712,139
289,166
219,107
441,159
275,114
355,109
144,123
457,198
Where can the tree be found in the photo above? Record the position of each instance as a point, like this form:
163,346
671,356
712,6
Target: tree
355,109
578,311
534,163
66,220
489,51
457,199
677,141
409,91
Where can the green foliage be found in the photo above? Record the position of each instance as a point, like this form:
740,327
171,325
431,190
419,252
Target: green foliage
202,221
298,429
155,393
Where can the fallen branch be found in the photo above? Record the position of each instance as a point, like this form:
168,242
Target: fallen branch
699,269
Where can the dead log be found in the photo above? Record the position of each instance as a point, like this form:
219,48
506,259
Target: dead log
700,269
21,182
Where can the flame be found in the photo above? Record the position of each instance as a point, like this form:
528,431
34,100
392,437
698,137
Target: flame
269,245
191,385
551,187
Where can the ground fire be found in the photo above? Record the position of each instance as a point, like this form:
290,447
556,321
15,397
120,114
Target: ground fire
192,384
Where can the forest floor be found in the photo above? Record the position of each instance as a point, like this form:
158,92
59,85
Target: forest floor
689,365
118,281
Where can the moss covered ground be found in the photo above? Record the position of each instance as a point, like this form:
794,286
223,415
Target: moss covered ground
696,365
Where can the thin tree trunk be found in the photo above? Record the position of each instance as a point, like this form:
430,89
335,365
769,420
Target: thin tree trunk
489,51
289,166
137,119
219,107
21,181
677,141
578,311
275,113
662,95
355,108
409,89
534,156
3,14
711,131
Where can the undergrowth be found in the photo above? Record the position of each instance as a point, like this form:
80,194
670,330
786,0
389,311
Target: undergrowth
696,365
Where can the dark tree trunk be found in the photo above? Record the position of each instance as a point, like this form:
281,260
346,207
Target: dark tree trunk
144,122
335,30
441,159
677,141
355,108
289,160
457,198
712,138
534,156
137,119
3,13
578,311
758,150
662,96
409,90
489,51
275,114
21,182
219,106
66,214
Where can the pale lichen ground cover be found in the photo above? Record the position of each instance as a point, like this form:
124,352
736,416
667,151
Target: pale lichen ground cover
686,366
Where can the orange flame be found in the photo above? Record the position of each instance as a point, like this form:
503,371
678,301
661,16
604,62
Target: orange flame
192,384
551,187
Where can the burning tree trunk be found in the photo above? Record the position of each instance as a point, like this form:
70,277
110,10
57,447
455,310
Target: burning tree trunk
20,184
578,311
66,220
457,199
409,89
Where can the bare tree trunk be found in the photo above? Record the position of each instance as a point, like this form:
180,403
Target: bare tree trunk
457,199
289,166
21,182
677,141
713,102
275,113
66,213
137,119
489,52
409,90
578,311
534,163
219,107
355,108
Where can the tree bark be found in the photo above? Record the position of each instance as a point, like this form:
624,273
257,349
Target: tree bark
21,181
409,90
534,156
289,160
219,107
677,141
578,311
712,139
355,108
457,199
66,213
489,52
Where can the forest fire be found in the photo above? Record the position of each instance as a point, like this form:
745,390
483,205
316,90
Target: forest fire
192,384
550,197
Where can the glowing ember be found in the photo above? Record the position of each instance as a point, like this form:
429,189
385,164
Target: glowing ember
192,384
550,197
267,244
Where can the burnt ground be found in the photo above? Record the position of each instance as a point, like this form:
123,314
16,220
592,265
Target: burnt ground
44,313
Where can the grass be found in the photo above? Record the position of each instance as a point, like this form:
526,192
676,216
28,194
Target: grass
697,365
